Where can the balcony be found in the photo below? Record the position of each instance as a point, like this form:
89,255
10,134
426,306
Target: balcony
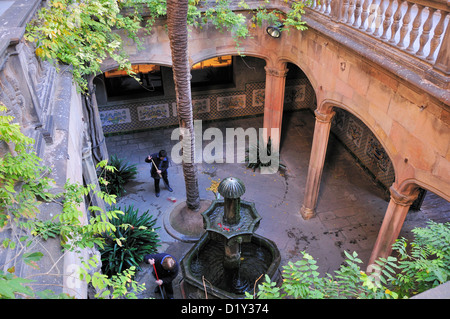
409,38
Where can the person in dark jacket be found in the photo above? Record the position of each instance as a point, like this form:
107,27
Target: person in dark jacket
160,164
166,268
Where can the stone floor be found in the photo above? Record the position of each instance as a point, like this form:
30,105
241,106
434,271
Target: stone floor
350,207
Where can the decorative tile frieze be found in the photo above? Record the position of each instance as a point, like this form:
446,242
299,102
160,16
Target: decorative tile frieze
354,132
201,106
376,152
258,97
339,119
114,117
149,112
231,102
295,94
209,106
364,145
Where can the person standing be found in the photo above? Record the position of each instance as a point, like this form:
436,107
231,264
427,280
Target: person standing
166,268
160,164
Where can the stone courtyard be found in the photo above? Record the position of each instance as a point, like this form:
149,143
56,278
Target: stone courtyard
350,208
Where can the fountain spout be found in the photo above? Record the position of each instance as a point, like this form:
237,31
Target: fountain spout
231,189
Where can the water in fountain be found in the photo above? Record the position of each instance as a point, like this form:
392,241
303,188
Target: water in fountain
209,265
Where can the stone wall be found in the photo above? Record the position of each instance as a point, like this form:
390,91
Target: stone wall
47,106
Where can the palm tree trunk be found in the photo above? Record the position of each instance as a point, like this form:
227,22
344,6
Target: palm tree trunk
178,36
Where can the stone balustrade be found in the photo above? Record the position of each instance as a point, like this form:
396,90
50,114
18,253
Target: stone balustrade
418,28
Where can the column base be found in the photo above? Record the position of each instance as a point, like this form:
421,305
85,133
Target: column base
307,213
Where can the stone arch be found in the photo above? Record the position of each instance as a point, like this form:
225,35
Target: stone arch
415,183
313,80
326,106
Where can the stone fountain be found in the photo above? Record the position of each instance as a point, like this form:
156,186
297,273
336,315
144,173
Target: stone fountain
229,257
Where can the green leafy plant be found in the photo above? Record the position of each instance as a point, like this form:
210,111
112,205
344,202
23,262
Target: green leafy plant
23,186
83,34
23,178
118,286
422,265
255,149
301,280
134,236
294,15
115,178
223,18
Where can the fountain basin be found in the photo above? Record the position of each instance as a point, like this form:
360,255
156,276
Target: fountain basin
202,268
215,223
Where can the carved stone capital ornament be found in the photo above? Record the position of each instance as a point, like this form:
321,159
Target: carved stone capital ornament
324,117
402,199
276,72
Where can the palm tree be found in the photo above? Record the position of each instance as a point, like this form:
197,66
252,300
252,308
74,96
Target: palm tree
178,35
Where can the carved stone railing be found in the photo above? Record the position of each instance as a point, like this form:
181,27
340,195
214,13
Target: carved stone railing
419,27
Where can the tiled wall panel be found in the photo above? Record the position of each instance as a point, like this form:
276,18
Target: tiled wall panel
133,116
364,145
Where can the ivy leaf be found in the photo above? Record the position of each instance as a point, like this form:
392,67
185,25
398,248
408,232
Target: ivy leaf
31,258
10,285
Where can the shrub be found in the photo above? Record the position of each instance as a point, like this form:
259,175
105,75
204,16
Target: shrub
255,149
421,265
134,237
425,262
116,178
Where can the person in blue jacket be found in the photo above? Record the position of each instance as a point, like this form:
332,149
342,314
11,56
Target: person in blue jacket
159,164
166,270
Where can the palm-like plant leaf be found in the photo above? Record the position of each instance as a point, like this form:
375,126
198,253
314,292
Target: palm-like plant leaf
135,236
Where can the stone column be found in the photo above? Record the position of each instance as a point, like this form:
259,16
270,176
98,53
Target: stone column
273,102
317,159
392,223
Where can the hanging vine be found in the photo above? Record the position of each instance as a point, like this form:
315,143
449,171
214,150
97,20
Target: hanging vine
81,35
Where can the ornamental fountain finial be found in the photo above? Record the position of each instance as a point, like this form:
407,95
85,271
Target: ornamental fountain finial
231,189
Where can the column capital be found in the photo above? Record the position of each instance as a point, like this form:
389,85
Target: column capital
280,73
324,117
403,199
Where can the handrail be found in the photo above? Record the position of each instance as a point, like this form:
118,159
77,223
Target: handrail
418,28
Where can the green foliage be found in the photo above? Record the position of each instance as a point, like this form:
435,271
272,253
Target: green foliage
22,188
22,177
255,149
121,285
424,263
294,16
10,285
83,34
116,175
267,290
222,17
301,279
133,238
420,266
